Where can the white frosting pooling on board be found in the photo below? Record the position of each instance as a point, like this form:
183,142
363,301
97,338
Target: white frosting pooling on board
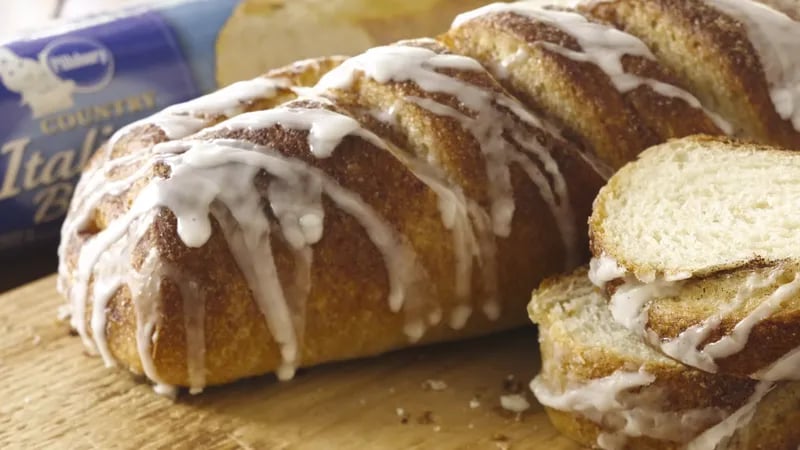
489,125
627,406
600,45
776,39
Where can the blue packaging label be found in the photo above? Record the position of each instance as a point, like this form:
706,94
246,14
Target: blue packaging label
61,96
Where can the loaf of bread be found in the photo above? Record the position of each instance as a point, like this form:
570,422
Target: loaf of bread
737,56
338,208
603,387
701,261
325,228
602,86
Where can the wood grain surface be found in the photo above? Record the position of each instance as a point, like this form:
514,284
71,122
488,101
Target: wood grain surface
52,395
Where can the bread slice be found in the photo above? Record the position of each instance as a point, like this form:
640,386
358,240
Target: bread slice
603,86
603,387
698,238
736,56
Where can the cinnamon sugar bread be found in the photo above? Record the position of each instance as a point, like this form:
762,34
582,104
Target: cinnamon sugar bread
736,56
700,260
603,387
325,228
603,86
342,208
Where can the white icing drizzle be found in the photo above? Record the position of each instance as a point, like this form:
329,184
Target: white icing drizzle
326,128
737,339
216,176
407,63
630,303
110,273
785,368
685,347
603,269
462,216
614,403
184,119
776,39
458,215
145,287
712,437
601,45
194,316
176,121
598,395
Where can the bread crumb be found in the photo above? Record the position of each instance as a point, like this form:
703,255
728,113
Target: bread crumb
437,428
37,339
474,403
514,402
426,418
402,414
471,426
434,385
511,385
501,441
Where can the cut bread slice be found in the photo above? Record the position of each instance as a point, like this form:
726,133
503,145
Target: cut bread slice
736,56
603,387
602,86
702,260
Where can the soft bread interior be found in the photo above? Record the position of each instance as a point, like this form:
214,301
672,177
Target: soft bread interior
576,318
700,205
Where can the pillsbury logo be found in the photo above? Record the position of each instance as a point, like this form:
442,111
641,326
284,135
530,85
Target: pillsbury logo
63,68
86,62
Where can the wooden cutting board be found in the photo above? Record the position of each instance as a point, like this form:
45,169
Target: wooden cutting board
53,395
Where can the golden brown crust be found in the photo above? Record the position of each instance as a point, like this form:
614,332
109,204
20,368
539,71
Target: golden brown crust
578,95
347,314
713,57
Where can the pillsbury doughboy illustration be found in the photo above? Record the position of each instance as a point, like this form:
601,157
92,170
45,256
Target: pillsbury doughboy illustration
42,90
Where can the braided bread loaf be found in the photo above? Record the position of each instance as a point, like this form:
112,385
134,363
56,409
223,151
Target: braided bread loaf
339,209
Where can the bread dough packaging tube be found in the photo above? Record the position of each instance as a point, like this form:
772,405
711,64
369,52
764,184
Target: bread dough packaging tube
66,89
